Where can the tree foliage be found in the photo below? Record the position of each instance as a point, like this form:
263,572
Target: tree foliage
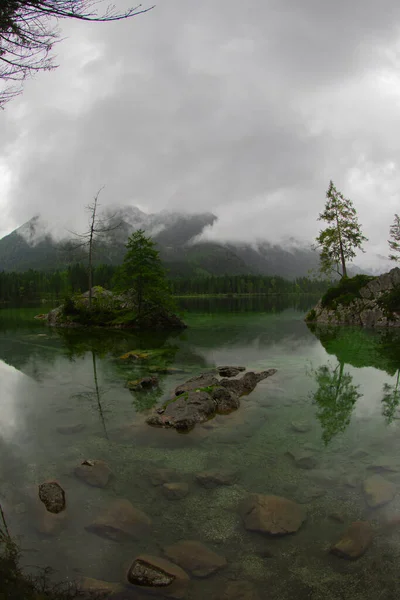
394,242
142,274
28,32
339,241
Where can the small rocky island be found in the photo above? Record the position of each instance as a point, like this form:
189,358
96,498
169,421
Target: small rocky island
361,300
201,398
107,309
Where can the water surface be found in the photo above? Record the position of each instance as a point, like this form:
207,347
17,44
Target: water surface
334,397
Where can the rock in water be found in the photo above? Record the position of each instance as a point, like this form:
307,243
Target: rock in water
120,522
247,383
354,541
94,472
175,490
53,496
378,491
157,575
272,514
195,557
195,383
239,590
143,384
184,412
226,400
216,477
230,371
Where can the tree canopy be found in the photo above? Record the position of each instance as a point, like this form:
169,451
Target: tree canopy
343,235
394,242
29,30
143,275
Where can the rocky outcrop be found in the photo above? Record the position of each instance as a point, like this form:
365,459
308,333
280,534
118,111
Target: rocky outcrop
195,558
354,541
120,522
366,310
202,397
272,514
230,371
158,576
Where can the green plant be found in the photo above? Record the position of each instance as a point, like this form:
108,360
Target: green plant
345,292
389,301
311,316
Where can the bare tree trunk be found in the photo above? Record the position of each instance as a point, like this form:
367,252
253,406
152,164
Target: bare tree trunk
342,260
91,234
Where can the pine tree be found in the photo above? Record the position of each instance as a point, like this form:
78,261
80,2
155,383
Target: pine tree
394,243
143,274
343,235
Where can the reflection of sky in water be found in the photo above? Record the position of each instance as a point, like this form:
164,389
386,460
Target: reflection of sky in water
44,395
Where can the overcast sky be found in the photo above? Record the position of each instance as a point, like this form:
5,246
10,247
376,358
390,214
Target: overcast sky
243,108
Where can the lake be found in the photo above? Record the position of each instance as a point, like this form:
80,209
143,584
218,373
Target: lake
322,432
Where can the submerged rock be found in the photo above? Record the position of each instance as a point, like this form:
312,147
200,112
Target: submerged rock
300,426
160,476
230,371
216,477
378,491
272,514
94,472
354,541
157,575
53,496
70,429
303,459
120,522
175,490
195,558
143,384
99,588
385,463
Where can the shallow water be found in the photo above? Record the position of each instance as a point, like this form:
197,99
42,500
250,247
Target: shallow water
338,386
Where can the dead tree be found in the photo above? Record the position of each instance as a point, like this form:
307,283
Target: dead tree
28,32
97,228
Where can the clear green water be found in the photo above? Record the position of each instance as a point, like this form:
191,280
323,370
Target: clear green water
340,382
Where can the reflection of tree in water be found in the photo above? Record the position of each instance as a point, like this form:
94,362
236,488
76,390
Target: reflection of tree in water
335,397
391,400
367,348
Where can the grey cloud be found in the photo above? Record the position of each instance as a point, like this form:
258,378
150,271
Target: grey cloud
246,109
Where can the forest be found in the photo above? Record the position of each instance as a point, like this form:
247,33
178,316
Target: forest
44,286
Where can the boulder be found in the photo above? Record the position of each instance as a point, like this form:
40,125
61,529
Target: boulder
175,490
185,412
120,522
230,371
158,576
378,491
53,496
216,477
195,558
94,472
194,383
354,541
226,400
272,514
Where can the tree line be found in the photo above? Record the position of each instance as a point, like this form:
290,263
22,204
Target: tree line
34,285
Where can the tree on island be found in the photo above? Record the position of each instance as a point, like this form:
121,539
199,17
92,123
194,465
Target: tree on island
394,242
143,275
97,228
343,236
28,34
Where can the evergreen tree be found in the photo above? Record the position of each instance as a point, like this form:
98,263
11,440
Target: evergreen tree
143,275
394,242
343,235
